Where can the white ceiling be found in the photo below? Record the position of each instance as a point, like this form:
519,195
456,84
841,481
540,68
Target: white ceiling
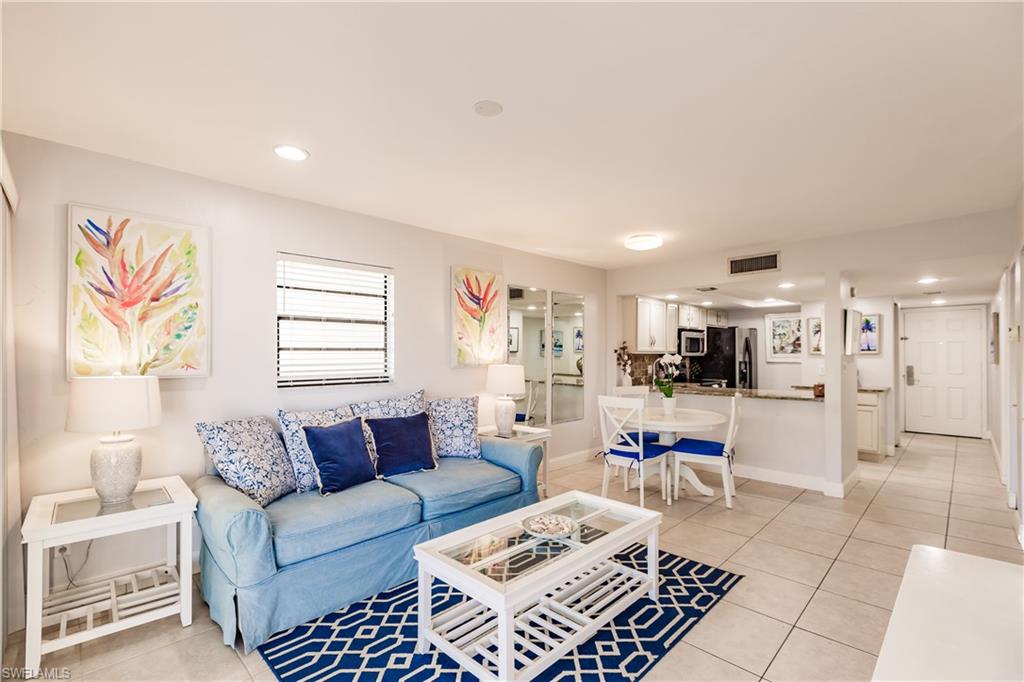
717,126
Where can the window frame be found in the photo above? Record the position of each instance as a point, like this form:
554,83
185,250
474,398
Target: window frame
388,376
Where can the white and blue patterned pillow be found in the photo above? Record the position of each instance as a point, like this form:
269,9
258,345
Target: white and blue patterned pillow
295,441
249,456
453,426
403,406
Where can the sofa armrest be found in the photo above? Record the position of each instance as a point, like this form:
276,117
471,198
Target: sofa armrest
236,530
514,455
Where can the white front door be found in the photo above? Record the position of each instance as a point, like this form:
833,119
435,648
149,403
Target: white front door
944,358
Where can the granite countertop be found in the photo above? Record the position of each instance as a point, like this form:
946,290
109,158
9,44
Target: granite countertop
765,393
860,389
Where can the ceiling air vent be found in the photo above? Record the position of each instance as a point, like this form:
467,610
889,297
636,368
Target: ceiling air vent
763,262
705,290
515,293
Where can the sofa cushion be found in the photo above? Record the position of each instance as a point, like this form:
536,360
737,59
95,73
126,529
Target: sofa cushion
453,426
249,456
295,440
341,455
307,524
402,406
457,484
402,444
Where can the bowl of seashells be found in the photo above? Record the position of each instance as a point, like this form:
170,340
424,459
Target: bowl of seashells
550,526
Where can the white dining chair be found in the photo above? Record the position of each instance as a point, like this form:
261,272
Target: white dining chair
630,449
632,391
697,451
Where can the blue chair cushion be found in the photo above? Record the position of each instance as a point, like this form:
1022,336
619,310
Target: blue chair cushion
651,450
306,525
649,436
696,446
457,484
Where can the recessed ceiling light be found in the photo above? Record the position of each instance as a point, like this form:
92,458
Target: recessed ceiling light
671,297
643,242
786,285
769,300
531,307
533,288
707,303
290,152
578,314
939,301
488,108
928,280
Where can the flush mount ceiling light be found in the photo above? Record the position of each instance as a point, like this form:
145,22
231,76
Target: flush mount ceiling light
939,301
769,300
643,242
531,307
578,314
707,303
290,152
671,297
786,285
928,280
488,108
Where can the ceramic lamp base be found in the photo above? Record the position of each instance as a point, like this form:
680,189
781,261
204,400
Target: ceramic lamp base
116,465
504,415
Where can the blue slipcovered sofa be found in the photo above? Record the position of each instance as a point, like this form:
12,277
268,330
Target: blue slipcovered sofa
265,569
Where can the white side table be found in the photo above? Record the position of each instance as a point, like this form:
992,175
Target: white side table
113,603
528,434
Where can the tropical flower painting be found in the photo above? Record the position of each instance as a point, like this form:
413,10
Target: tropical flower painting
479,317
138,295
869,328
784,338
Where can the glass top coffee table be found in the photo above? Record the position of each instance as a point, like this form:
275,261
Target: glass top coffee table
531,599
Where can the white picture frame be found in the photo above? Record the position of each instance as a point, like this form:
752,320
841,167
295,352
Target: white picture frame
783,338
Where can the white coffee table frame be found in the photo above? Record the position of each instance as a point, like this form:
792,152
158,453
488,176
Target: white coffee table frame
154,590
496,610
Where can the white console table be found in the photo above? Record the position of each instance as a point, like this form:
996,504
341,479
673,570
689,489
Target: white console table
112,603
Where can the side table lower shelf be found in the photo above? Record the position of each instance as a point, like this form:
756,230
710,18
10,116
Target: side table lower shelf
111,605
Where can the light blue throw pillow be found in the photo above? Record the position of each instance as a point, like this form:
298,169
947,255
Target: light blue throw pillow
295,440
249,456
402,406
453,426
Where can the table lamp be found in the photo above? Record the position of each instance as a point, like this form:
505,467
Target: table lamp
505,381
114,404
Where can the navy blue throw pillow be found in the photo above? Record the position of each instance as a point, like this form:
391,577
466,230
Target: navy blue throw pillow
402,444
340,454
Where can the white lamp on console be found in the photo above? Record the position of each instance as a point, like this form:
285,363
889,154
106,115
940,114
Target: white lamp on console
505,381
112,405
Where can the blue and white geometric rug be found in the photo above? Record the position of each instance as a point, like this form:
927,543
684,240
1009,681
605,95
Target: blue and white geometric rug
374,640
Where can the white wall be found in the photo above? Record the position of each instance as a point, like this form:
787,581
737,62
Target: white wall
247,228
773,375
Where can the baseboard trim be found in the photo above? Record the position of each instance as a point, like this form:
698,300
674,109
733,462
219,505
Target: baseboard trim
841,489
571,458
777,477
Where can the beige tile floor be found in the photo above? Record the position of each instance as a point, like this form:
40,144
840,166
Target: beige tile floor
821,573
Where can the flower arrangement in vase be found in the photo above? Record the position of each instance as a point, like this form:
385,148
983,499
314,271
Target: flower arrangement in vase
665,370
624,363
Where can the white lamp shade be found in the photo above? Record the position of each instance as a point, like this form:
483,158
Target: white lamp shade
115,403
506,379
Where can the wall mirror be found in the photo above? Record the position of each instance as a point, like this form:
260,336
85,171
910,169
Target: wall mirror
567,349
527,314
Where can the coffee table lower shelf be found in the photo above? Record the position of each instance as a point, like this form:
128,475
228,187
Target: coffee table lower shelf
472,633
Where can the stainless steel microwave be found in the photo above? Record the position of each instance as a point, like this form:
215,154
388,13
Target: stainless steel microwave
692,342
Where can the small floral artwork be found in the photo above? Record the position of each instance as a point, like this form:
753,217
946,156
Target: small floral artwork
784,338
815,336
138,295
479,318
869,327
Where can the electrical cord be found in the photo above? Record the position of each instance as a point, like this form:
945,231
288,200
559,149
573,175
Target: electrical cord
67,567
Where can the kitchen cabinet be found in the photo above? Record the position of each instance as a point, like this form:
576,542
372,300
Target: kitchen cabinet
718,318
871,441
645,324
672,328
692,317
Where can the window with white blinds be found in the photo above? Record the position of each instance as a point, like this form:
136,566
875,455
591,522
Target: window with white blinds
334,322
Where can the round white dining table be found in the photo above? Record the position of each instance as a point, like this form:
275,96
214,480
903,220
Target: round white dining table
669,426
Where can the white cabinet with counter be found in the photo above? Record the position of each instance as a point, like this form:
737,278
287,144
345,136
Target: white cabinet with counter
871,436
645,324
692,317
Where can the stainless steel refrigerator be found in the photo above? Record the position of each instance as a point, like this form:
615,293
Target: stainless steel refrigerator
731,357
